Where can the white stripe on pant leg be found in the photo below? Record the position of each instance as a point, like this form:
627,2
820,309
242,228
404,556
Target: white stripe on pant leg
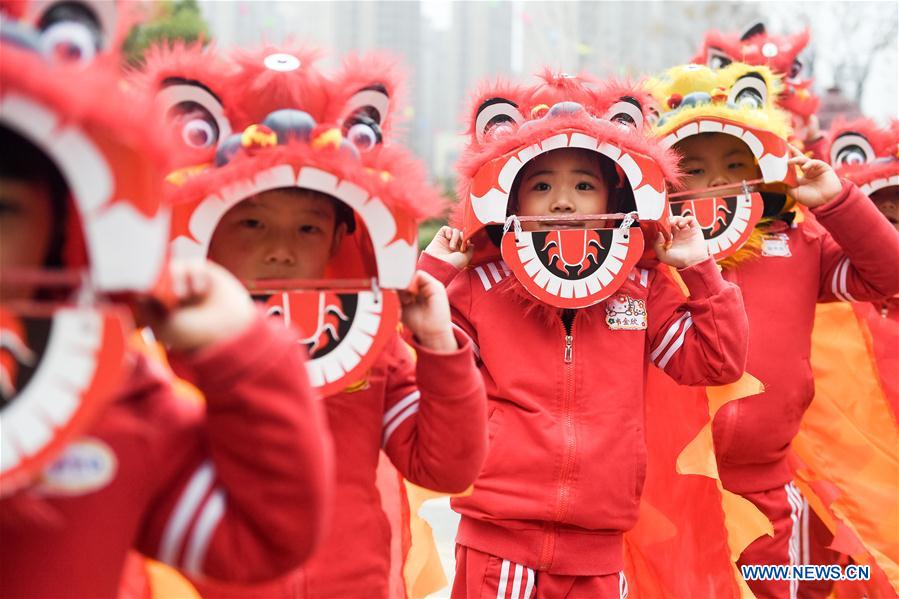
795,500
529,587
795,512
184,511
516,582
503,579
806,558
622,585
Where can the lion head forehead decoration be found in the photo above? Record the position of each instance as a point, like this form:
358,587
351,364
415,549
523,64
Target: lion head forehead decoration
511,124
270,119
71,120
865,153
781,53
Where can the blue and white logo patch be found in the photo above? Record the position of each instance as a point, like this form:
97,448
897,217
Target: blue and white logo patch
86,465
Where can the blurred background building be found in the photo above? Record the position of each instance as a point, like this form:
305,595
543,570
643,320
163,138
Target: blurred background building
448,46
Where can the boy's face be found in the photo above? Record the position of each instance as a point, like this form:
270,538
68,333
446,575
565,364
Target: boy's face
887,201
712,159
283,233
564,181
26,214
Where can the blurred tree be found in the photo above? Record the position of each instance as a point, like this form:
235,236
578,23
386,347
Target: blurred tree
172,20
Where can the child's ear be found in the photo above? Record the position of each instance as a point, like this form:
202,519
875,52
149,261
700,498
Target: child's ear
339,234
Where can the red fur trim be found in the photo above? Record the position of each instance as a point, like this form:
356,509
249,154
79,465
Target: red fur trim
186,61
253,90
361,71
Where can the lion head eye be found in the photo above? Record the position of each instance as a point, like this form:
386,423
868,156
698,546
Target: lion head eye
626,112
749,91
851,149
494,113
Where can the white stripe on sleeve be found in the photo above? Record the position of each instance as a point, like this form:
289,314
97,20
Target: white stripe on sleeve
202,533
677,344
484,281
669,334
843,286
494,272
400,406
412,409
188,503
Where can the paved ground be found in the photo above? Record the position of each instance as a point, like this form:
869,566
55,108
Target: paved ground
444,521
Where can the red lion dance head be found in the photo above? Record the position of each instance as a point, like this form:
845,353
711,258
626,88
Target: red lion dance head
63,106
269,119
780,53
511,124
868,156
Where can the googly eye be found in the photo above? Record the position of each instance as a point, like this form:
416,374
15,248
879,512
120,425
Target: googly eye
851,149
364,133
627,112
275,311
493,113
718,59
198,127
199,133
194,112
69,41
750,91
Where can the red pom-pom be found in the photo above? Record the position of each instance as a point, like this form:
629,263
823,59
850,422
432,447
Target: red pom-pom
674,101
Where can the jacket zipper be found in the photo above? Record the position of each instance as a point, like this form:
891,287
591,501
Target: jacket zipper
570,442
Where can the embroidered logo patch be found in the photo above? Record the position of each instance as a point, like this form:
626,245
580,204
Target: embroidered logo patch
625,313
776,245
85,466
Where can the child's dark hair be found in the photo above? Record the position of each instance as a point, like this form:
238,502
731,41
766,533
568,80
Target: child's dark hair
23,161
620,199
342,212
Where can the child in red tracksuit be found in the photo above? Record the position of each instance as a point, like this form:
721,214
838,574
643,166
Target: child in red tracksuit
566,462
843,250
234,491
427,412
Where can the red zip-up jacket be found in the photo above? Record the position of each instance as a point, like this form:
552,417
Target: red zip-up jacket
234,490
567,455
846,252
429,414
